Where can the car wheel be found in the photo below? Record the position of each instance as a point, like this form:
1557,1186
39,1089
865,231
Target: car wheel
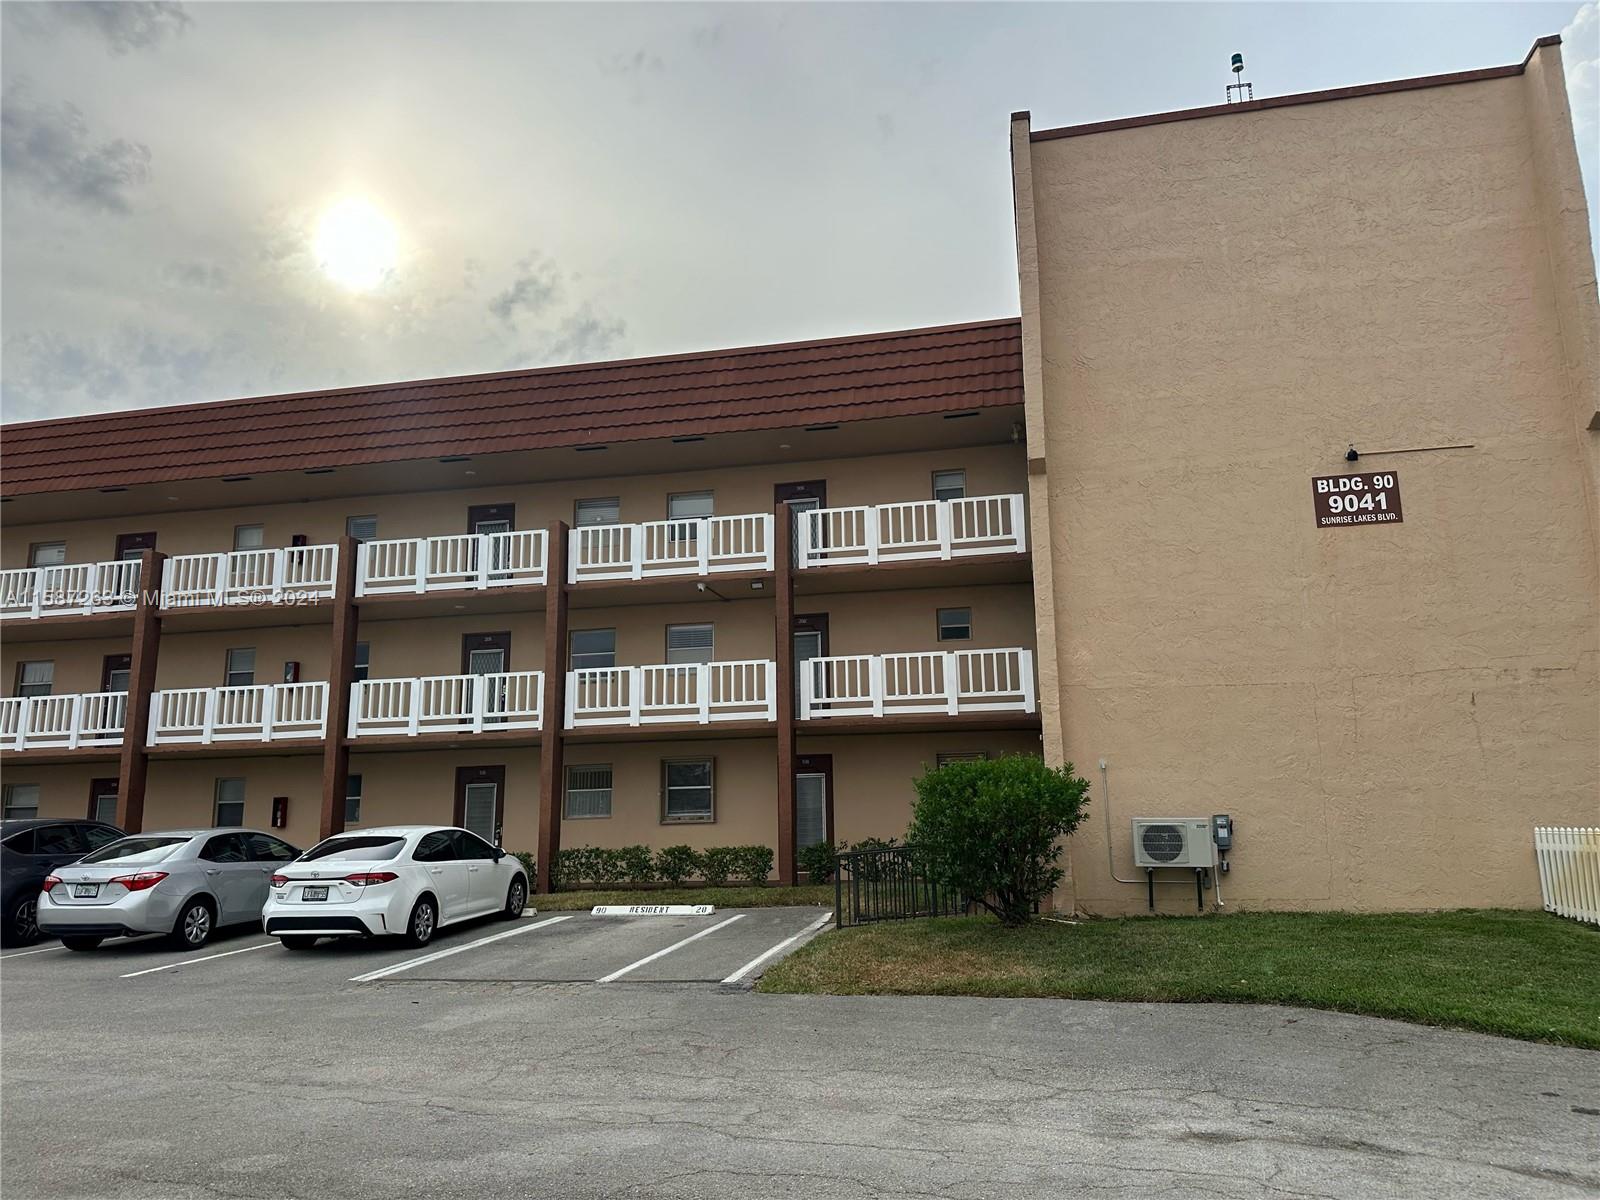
424,920
194,926
516,898
23,925
81,943
298,941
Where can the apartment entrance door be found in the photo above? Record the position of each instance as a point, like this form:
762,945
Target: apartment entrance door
801,497
488,654
813,800
810,641
103,801
479,800
132,545
494,518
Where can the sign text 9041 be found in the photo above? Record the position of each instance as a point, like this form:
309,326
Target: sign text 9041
1356,499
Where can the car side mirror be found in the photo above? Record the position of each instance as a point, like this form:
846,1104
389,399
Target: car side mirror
498,854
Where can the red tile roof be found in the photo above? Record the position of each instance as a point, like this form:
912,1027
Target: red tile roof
906,373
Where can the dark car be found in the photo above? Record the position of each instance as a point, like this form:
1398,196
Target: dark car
30,850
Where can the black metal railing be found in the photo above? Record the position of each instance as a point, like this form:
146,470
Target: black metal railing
889,884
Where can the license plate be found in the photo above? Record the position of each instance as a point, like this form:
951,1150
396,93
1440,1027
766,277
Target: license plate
314,893
89,890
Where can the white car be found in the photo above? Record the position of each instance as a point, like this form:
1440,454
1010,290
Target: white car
406,880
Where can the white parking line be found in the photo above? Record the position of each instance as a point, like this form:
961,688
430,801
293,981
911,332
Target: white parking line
649,958
184,962
766,954
438,954
25,953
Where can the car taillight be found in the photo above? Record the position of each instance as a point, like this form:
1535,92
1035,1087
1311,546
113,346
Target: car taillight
140,881
368,878
280,881
50,881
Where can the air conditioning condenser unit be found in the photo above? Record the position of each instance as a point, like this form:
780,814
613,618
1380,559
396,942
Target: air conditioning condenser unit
1173,842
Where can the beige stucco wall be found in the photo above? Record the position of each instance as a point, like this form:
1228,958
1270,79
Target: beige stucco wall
1224,305
79,663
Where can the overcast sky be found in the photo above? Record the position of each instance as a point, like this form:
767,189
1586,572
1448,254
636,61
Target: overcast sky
536,183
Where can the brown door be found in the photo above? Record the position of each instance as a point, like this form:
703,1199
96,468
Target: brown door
813,800
103,801
480,801
132,545
491,518
800,497
115,670
810,640
485,653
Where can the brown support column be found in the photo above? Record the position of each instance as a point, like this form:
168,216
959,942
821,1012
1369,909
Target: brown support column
552,744
341,674
783,641
135,763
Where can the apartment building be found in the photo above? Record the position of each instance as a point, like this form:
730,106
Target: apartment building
716,599
746,596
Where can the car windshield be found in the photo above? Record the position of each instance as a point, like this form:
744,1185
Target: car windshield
367,849
136,850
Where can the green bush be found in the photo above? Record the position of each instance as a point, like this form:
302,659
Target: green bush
817,861
674,864
570,868
637,864
605,866
992,829
529,864
717,863
753,863
871,870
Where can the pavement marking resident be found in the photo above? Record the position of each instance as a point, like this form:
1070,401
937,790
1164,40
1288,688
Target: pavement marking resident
438,954
766,954
184,962
649,958
25,953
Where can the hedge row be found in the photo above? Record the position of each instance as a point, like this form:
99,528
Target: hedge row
818,861
601,867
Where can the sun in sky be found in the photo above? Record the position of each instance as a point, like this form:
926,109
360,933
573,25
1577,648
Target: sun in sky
355,244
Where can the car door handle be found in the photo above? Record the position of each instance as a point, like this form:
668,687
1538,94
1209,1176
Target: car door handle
438,870
213,870
472,868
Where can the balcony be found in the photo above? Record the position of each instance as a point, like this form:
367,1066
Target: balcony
670,694
656,549
257,713
918,529
454,562
288,575
76,589
512,700
886,685
62,722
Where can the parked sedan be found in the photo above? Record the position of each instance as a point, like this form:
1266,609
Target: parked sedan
185,883
29,850
407,880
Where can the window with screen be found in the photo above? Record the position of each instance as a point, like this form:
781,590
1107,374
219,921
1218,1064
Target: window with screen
249,537
592,648
599,510
241,667
228,807
21,801
955,624
588,790
949,485
363,529
352,799
47,554
690,643
687,791
35,678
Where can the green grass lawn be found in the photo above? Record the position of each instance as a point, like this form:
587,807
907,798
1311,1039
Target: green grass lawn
1519,974
723,897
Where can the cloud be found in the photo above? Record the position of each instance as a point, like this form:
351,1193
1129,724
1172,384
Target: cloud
126,25
1580,59
49,374
636,63
47,148
536,286
204,276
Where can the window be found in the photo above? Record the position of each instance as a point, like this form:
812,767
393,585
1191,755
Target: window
949,485
470,846
229,806
103,801
225,848
363,529
944,760
687,790
35,678
588,791
689,643
955,624
352,800
438,846
604,510
58,839
363,659
21,800
593,648
249,537
367,848
241,667
263,847
153,848
47,554
97,837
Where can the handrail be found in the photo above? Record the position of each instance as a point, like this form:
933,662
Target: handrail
451,562
671,693
66,721
917,529
685,546
288,574
262,712
933,681
502,700
69,589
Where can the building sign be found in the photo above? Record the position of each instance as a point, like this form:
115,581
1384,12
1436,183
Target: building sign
1356,499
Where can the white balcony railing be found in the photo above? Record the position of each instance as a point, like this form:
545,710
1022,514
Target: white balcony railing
289,574
447,704
693,693
914,529
451,562
263,712
70,721
694,546
75,588
879,685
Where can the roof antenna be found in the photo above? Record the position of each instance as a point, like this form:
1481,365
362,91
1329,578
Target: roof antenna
1245,89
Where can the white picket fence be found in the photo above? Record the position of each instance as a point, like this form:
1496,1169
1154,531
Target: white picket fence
452,562
877,685
943,529
1569,871
447,704
293,574
690,546
72,588
690,693
64,722
262,712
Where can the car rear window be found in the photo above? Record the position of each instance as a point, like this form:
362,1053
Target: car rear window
135,850
366,849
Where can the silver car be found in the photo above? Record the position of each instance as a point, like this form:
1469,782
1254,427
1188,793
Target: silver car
185,883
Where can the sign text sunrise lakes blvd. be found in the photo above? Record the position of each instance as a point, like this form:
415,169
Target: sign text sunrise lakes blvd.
1356,499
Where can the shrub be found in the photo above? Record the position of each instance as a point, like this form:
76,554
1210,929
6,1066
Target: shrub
753,863
605,866
717,863
529,864
991,829
674,864
817,861
871,870
637,864
570,866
